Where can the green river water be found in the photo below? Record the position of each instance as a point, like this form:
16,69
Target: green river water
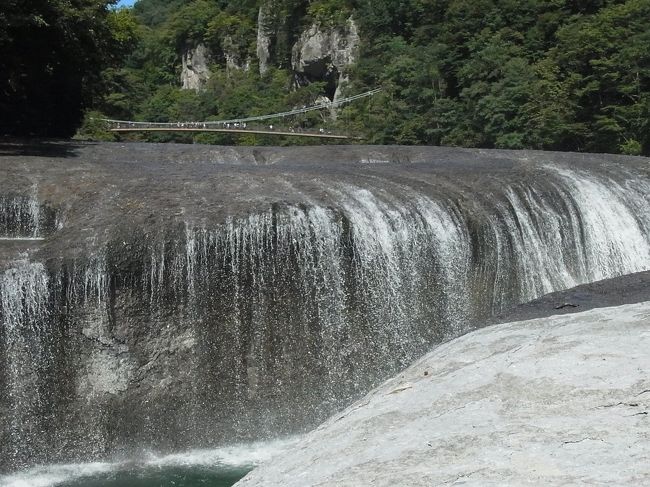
221,467
191,476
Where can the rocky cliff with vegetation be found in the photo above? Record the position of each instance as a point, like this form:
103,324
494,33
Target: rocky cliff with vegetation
542,74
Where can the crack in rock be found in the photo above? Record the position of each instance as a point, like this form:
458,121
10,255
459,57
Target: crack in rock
583,439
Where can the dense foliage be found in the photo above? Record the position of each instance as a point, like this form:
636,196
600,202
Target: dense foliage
543,74
51,56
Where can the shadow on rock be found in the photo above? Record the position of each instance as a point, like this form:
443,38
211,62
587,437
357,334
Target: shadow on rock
39,148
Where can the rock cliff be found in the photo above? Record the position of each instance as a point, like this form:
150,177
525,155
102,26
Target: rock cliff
326,54
195,70
319,53
263,39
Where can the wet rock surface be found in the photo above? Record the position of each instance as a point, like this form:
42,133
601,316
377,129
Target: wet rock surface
326,54
628,289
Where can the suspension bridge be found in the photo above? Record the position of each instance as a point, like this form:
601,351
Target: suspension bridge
258,124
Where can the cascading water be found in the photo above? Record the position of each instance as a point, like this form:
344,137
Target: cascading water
205,332
24,296
23,217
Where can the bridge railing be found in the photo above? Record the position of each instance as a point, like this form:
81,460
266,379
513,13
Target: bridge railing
233,128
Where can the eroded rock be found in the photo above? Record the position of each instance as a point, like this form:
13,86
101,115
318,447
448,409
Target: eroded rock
326,54
263,39
195,71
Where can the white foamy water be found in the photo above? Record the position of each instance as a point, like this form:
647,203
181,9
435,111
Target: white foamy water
244,455
52,475
20,216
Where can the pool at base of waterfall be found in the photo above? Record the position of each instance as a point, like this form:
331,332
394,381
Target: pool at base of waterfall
221,467
93,475
191,476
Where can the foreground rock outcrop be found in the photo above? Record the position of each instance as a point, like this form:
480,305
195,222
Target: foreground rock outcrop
553,401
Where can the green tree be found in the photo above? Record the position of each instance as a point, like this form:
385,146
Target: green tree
605,63
51,56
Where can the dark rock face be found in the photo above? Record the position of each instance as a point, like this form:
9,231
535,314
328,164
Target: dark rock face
190,296
617,291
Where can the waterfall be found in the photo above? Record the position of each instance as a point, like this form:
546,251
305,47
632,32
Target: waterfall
205,331
24,296
25,217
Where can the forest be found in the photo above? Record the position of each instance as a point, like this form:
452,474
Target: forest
569,75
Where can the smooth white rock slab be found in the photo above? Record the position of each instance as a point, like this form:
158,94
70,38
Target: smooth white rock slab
563,400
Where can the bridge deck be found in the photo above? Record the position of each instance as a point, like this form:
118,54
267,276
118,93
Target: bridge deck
236,131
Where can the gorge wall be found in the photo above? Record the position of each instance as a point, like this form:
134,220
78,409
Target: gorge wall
318,53
174,297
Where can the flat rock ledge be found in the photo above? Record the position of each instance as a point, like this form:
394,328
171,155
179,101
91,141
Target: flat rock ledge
562,400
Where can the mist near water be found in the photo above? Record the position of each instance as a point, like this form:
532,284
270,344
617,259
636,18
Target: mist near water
218,468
